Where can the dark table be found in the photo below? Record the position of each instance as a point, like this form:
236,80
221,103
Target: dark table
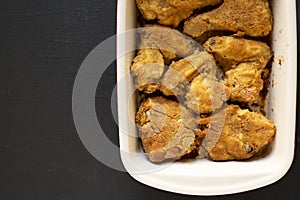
43,43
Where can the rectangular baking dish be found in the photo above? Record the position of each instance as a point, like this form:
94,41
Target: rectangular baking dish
204,177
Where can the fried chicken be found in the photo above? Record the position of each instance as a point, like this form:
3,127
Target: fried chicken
243,135
166,129
171,12
169,41
244,82
148,66
147,69
254,18
230,51
206,95
244,61
202,124
182,72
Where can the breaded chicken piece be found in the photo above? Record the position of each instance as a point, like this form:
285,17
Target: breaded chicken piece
171,12
243,135
245,60
147,41
182,72
206,95
244,82
230,51
254,18
147,69
166,129
170,42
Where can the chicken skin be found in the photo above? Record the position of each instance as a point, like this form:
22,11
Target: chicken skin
182,72
171,12
166,129
243,135
147,69
230,51
168,41
206,95
244,61
244,82
253,18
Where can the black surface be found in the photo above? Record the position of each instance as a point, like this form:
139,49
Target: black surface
43,43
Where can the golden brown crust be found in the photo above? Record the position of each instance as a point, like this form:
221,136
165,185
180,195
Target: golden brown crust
171,12
203,124
166,129
182,72
243,135
244,82
253,17
231,51
147,69
167,39
205,95
244,60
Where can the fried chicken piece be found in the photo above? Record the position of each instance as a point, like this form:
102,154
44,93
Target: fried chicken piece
171,12
230,51
170,42
244,82
182,72
166,129
243,135
148,66
206,95
254,18
149,41
245,60
147,69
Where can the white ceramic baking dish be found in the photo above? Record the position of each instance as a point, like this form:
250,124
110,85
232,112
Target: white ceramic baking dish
204,177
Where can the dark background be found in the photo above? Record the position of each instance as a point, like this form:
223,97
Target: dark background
43,43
